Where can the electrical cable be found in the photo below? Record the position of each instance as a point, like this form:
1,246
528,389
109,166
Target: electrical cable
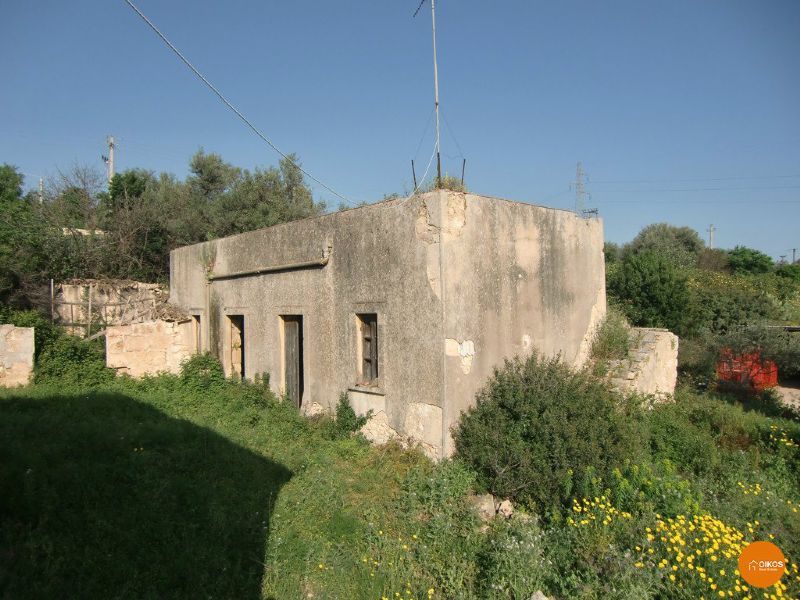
452,135
706,189
738,177
228,104
424,175
422,137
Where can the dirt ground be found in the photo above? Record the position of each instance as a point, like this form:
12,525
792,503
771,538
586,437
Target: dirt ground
790,394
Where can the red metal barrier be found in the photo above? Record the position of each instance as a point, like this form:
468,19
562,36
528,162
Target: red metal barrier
747,369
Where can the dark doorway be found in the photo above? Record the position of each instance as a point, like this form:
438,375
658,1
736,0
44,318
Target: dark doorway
237,344
293,357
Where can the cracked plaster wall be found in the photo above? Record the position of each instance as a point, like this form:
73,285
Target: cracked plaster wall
517,277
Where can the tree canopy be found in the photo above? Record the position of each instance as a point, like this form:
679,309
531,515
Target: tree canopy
134,221
679,245
748,260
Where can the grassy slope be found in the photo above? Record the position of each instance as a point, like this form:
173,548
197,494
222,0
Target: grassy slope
149,491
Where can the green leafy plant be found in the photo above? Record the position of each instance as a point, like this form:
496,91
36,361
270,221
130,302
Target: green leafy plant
679,246
45,333
651,291
748,260
513,564
347,422
538,428
71,361
202,372
436,500
612,341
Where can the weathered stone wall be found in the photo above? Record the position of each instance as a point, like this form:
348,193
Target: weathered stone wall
377,264
113,302
518,278
652,365
459,282
16,355
149,348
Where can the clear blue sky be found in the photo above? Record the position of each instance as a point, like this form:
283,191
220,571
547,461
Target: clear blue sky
680,111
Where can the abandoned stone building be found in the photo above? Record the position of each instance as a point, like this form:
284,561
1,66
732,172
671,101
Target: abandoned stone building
406,305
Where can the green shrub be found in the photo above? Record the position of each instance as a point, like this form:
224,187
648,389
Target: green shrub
45,333
697,359
347,422
696,431
651,291
679,246
258,391
789,271
538,428
73,361
202,372
749,260
719,302
612,339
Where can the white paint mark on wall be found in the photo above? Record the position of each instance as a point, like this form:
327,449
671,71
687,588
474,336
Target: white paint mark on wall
526,342
464,350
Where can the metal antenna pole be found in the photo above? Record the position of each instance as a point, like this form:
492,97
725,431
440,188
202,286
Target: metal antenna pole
436,96
580,191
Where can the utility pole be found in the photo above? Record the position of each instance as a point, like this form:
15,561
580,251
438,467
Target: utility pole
794,251
711,229
41,190
436,96
580,190
109,160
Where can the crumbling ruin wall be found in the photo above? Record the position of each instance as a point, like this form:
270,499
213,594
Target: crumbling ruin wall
16,355
149,348
651,367
78,302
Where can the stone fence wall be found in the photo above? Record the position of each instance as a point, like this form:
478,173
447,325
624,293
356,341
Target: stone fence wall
652,364
16,355
149,348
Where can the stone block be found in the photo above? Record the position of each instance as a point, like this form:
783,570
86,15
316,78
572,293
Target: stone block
16,355
423,423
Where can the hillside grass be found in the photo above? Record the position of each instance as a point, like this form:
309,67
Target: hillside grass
168,488
146,490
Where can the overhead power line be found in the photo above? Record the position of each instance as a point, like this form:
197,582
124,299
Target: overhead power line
228,103
652,202
704,189
697,179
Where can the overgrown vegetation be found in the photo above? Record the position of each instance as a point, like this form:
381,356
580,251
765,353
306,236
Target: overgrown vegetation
81,228
194,485
712,298
199,486
612,341
539,432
